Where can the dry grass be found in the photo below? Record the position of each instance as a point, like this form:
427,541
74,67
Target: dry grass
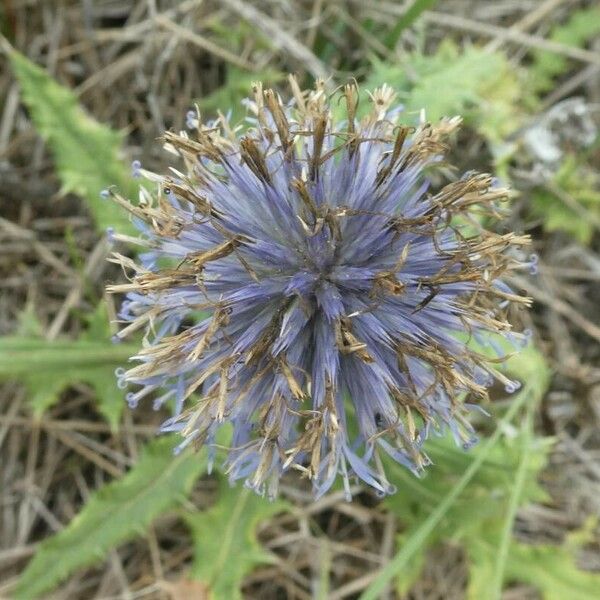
137,64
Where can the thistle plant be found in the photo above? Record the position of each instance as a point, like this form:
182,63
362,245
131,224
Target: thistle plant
302,283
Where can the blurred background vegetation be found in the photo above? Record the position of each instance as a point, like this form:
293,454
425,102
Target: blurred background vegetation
92,505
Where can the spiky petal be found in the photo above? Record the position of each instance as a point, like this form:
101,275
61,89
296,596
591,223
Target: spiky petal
301,276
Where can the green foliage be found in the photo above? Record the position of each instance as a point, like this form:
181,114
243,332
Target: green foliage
237,87
463,495
575,181
467,498
118,512
482,502
549,568
48,368
222,561
480,86
408,561
582,26
85,152
529,367
479,514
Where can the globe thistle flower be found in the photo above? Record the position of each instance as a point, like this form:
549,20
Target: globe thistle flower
301,283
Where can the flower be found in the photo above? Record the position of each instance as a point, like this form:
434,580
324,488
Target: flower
301,283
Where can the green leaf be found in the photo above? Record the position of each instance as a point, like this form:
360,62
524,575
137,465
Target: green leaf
425,527
48,368
222,561
480,86
86,153
583,25
472,499
529,365
120,511
462,493
552,570
579,182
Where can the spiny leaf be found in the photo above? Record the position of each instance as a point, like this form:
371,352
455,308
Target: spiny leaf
116,513
582,25
462,492
221,561
480,514
479,85
85,152
549,568
552,570
581,184
48,368
424,528
482,501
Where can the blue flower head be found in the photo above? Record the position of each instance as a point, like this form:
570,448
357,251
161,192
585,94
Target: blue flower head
302,283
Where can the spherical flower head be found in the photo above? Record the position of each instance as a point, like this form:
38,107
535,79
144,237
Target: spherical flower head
301,283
